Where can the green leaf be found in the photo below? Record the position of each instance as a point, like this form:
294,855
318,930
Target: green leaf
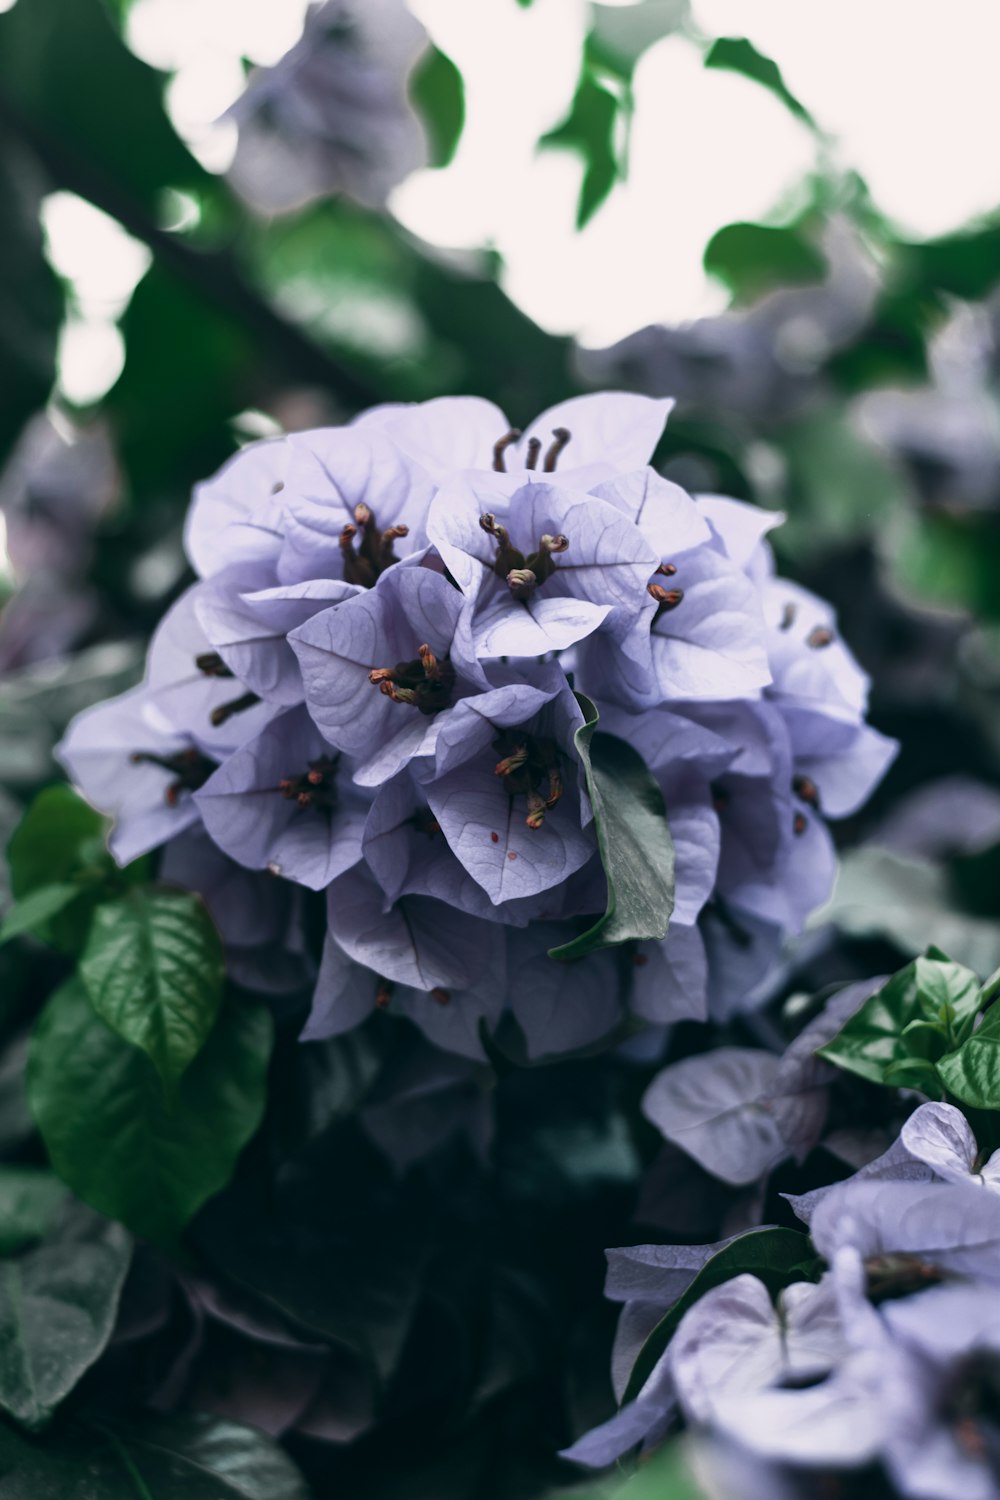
154,970
438,92
31,300
777,1257
58,836
175,1457
736,54
34,913
58,1305
972,1074
751,259
590,130
633,836
114,1136
30,1198
924,1011
667,1475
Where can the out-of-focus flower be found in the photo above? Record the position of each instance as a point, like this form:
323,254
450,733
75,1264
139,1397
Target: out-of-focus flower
333,115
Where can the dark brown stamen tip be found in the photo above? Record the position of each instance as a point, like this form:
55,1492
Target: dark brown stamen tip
362,514
799,824
534,449
212,665
522,582
226,711
441,996
429,662
500,447
536,810
315,778
511,763
383,995
667,570
304,799
819,636
562,436
787,617
806,790
557,543
665,598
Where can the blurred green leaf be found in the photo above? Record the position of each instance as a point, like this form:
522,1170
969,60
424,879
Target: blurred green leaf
775,1256
950,558
438,92
751,259
34,913
736,54
52,55
972,1073
59,835
58,1304
31,301
110,1131
633,836
154,971
176,1457
30,1201
620,34
590,130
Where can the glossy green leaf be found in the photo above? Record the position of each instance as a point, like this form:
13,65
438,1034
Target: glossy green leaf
438,92
30,1199
113,1134
154,970
924,1011
175,1457
31,300
738,55
36,911
633,836
775,1256
590,130
58,1305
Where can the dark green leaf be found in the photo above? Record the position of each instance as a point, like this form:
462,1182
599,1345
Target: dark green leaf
922,1012
58,836
777,1257
58,1305
634,839
31,302
154,970
36,911
156,1458
755,258
738,55
30,1198
590,130
51,51
112,1134
667,1473
437,91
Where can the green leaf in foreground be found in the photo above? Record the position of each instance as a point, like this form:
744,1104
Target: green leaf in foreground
924,1011
114,1135
58,1305
776,1256
738,55
153,968
157,1458
634,839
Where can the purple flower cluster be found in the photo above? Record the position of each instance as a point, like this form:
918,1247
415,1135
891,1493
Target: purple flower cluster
893,1356
370,692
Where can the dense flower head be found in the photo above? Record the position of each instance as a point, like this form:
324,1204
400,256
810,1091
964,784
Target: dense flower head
378,688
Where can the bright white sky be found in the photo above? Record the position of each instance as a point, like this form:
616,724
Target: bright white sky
908,91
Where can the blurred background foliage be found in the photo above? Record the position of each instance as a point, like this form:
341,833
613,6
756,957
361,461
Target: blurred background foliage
853,382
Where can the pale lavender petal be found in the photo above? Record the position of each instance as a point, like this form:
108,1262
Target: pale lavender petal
713,1107
236,516
739,528
611,427
666,515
